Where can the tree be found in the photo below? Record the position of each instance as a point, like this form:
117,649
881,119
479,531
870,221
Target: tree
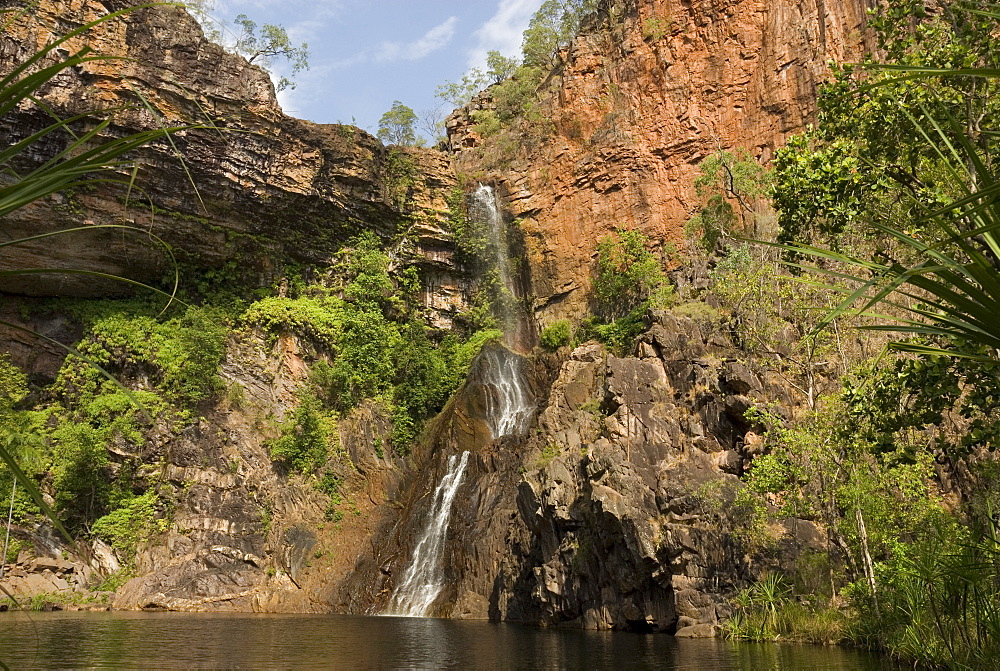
202,10
897,181
269,43
397,126
499,67
552,27
432,122
627,272
459,93
868,159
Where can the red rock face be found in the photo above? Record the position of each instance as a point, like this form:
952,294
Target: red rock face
645,94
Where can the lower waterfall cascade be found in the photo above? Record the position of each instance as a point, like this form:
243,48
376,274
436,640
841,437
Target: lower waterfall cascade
424,576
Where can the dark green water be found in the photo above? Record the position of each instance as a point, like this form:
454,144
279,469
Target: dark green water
181,640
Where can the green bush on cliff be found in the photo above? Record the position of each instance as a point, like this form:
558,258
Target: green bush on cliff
181,355
302,445
627,273
374,340
629,279
557,334
133,521
171,366
553,26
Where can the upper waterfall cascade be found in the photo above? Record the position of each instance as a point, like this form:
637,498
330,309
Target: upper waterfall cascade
485,209
508,401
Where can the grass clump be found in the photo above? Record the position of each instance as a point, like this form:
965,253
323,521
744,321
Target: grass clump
768,610
131,522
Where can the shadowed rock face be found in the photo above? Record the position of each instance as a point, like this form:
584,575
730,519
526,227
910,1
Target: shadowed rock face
613,511
257,188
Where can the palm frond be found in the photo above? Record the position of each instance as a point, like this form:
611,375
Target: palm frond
87,157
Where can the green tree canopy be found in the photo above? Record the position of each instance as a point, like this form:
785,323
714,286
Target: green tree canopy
552,27
627,272
498,69
398,125
269,43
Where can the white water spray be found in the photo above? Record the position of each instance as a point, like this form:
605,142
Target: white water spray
502,376
508,402
424,577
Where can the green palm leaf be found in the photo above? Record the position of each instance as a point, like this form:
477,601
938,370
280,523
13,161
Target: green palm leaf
86,158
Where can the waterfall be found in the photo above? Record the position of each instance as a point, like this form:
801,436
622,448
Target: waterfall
484,209
508,401
424,577
501,372
502,377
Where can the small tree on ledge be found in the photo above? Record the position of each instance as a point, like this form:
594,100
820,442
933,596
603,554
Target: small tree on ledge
397,126
270,43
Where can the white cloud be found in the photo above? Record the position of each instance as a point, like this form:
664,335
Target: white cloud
434,39
503,30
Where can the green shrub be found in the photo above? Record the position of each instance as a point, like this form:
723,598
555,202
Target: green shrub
557,334
618,335
81,473
487,123
627,272
191,353
134,521
302,445
182,354
315,318
628,280
13,550
330,484
938,599
655,28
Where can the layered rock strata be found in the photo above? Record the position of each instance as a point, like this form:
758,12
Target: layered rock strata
242,185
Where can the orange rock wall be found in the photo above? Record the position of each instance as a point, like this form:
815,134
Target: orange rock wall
646,93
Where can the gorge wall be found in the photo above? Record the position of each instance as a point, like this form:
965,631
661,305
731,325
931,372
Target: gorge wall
615,508
646,92
247,185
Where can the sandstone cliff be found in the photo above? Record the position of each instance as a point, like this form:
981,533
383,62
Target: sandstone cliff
615,507
247,185
645,92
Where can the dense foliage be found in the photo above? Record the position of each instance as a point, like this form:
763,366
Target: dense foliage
628,281
892,198
398,125
367,322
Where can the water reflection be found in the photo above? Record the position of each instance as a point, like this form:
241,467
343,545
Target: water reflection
180,640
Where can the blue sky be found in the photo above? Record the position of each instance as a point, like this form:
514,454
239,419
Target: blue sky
364,54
